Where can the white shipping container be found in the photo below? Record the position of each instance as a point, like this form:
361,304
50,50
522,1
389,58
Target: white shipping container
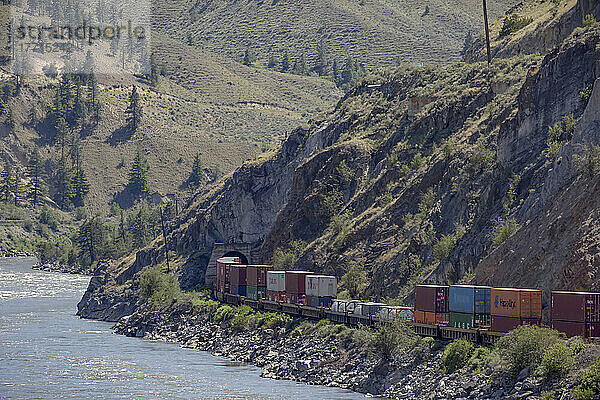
327,286
312,285
276,281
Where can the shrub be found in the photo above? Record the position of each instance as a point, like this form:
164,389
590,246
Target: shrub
525,347
355,280
271,320
427,202
482,159
457,354
588,164
558,360
223,313
590,384
385,341
589,20
514,23
503,230
585,94
49,217
444,247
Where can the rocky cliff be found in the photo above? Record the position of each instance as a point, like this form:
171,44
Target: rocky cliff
440,174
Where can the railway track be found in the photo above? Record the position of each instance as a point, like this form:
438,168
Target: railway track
440,332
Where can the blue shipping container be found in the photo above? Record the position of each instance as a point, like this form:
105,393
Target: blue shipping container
242,290
470,299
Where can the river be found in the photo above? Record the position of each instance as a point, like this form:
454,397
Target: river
47,352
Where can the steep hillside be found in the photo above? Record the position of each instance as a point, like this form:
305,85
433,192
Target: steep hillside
533,27
375,32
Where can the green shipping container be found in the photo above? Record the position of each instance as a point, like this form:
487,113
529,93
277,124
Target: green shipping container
262,292
469,321
252,292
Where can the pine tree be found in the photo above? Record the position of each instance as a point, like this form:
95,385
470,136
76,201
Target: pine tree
336,73
93,101
153,71
196,175
138,175
81,185
300,67
91,240
16,188
285,62
348,74
248,58
134,110
321,66
64,184
272,62
7,179
36,173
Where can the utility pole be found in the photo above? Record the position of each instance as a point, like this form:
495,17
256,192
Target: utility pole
487,32
164,231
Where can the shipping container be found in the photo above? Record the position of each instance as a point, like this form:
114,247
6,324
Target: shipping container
343,306
256,275
295,281
238,275
592,308
505,324
469,299
516,303
321,285
431,298
431,318
469,321
276,281
262,292
568,306
593,330
252,292
276,296
393,313
370,309
570,329
221,264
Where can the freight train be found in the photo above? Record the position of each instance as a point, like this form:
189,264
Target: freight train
480,314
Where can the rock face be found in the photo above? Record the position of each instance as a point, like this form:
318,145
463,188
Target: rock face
411,196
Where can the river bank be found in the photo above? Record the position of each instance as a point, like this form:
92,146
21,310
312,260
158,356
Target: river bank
324,354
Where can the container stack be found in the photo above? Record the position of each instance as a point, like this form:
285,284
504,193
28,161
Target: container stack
320,290
295,286
276,285
368,309
470,306
576,313
238,280
511,308
431,304
256,280
224,272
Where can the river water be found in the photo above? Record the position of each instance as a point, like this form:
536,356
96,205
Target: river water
46,352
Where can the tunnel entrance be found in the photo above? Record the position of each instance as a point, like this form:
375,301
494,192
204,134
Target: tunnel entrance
242,257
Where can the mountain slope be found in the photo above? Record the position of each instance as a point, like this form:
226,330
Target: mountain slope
375,32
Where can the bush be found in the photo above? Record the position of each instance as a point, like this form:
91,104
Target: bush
355,280
503,230
585,94
223,313
588,164
159,289
385,341
589,387
457,354
589,20
482,159
514,23
525,347
273,320
558,360
49,217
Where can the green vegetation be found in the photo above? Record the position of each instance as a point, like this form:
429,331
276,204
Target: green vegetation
355,280
589,387
585,94
138,175
482,159
589,20
514,23
503,230
588,164
447,243
559,134
134,110
457,354
285,258
557,361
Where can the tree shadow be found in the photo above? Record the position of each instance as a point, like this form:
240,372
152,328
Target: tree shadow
120,135
126,198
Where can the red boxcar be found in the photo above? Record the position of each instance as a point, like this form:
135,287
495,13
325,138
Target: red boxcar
432,298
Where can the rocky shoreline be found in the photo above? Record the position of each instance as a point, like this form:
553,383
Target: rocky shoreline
65,269
16,254
321,358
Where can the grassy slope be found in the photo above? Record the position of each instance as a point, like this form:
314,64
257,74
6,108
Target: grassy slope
373,31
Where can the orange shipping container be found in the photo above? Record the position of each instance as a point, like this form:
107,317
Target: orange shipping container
523,303
430,318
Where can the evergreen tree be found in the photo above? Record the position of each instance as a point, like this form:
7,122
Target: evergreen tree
16,188
81,186
7,179
153,71
321,66
91,240
196,175
285,62
88,66
134,110
248,58
36,173
300,67
336,73
272,62
138,175
93,101
62,131
64,183
348,72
